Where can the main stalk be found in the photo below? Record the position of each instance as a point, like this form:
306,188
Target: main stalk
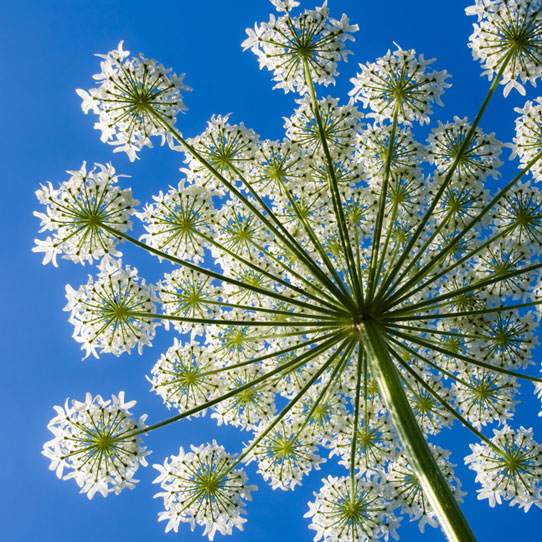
417,451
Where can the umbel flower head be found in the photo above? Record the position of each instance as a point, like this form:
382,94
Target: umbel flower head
507,39
113,313
203,487
133,94
77,211
345,292
94,441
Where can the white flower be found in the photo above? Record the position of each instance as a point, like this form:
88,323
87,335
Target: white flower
373,146
528,140
134,97
203,487
284,457
183,377
283,45
248,408
178,221
94,441
509,469
477,162
342,515
187,293
113,313
77,211
508,31
399,83
340,123
225,148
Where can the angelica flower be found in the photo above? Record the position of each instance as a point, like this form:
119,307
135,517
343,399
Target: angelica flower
203,487
509,467
135,96
474,164
284,457
342,512
183,377
508,38
284,44
399,83
93,440
113,313
77,211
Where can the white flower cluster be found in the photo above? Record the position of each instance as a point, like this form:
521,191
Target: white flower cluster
509,468
284,457
508,38
476,163
342,512
399,84
201,487
285,45
528,140
113,313
135,97
77,212
346,291
94,440
183,376
178,221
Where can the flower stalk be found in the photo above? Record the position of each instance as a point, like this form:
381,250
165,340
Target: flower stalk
420,457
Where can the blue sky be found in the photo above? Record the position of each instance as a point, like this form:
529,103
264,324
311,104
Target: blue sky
47,51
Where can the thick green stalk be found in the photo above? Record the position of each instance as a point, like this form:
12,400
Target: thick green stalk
416,449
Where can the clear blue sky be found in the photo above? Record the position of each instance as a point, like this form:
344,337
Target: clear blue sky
47,51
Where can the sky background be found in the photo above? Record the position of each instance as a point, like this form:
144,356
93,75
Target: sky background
46,53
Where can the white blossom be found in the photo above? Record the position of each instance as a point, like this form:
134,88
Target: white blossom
77,211
509,469
203,487
114,312
399,83
507,37
285,44
340,514
94,440
134,98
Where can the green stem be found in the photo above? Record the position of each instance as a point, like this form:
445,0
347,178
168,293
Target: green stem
218,276
293,364
418,453
221,322
381,210
353,444
427,215
282,233
333,184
